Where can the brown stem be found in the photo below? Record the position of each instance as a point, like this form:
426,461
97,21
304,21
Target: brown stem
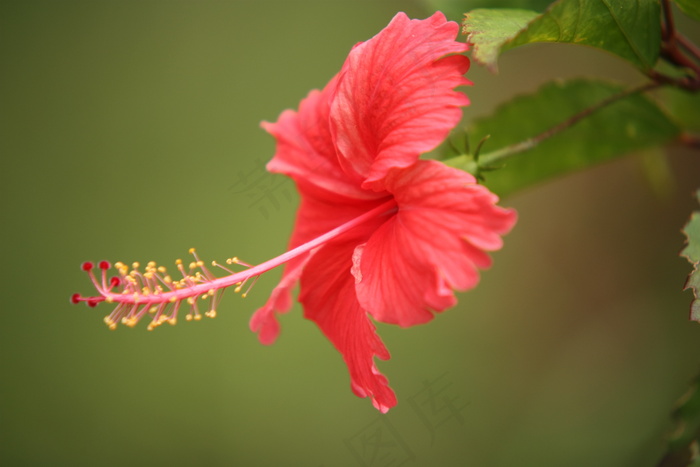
667,26
673,47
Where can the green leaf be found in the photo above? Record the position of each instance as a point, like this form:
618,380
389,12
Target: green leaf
489,29
630,29
630,124
692,253
690,8
686,432
684,106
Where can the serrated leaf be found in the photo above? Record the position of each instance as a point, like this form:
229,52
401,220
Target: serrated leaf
692,234
489,29
690,8
629,124
630,29
692,253
693,283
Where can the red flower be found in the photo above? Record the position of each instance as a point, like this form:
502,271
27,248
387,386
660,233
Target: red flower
378,232
354,146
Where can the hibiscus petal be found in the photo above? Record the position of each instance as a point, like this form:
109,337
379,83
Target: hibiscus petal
329,198
305,150
434,243
315,217
395,97
328,296
264,321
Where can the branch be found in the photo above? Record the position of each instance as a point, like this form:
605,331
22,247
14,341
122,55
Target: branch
679,51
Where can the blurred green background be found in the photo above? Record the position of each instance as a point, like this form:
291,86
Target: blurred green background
130,131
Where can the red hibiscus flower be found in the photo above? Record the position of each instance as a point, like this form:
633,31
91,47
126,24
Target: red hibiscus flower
379,232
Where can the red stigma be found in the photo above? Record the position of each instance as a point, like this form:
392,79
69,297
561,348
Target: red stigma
87,266
105,265
75,298
115,281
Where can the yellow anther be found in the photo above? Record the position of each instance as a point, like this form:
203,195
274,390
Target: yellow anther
178,261
191,300
161,269
136,297
172,321
211,313
192,250
109,299
172,299
119,265
153,309
188,317
145,291
151,264
193,265
135,264
168,279
200,263
112,327
197,317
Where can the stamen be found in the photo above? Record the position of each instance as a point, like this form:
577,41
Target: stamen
255,280
214,263
154,292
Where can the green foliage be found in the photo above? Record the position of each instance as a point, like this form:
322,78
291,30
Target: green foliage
568,126
684,106
692,253
686,433
629,29
490,29
632,123
690,8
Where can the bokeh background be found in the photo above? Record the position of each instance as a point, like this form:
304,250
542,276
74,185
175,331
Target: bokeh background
129,130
